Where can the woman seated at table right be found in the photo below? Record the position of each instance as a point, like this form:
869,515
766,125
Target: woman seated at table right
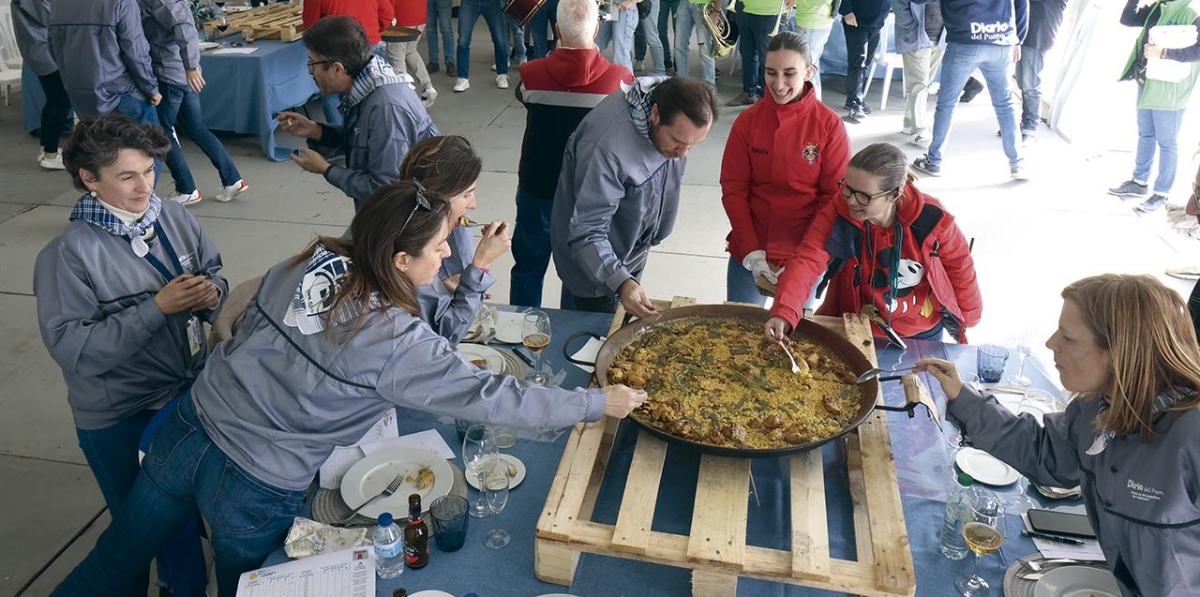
1126,349
331,341
889,250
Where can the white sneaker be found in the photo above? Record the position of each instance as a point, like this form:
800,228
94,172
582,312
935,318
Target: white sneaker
462,84
922,139
502,81
53,162
186,198
493,67
228,193
429,96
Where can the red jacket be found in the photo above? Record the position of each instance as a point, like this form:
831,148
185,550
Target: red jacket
374,15
781,164
410,13
937,274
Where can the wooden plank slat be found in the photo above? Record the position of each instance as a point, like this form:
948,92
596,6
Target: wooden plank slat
706,583
858,501
574,488
611,426
641,495
554,497
810,524
719,515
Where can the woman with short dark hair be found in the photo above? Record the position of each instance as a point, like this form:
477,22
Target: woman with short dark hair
331,341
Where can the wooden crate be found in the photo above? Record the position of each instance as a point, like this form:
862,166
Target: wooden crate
716,551
272,21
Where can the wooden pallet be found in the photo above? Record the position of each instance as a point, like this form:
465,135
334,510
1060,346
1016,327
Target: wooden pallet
272,21
716,551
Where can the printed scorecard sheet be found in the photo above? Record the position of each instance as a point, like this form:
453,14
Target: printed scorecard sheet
348,573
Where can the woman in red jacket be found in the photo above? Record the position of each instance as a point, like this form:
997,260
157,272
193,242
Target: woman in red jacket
782,163
890,250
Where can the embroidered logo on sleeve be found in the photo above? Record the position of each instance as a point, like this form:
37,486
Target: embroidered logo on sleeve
811,153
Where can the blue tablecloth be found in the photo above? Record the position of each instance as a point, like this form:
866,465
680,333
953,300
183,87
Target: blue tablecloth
923,462
244,92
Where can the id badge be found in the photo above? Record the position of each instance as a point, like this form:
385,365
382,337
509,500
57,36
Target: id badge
195,335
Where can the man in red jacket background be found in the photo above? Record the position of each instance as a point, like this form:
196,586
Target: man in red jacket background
558,91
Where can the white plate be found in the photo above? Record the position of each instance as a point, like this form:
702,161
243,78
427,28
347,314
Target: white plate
431,593
208,45
475,352
508,327
371,475
514,481
1077,581
985,468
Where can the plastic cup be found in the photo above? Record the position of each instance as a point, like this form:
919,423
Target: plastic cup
449,514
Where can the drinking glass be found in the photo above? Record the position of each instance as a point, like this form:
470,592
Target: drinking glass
990,360
495,488
535,333
479,456
983,529
1024,348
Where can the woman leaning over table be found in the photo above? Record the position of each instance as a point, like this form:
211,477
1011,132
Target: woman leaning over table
889,250
1126,349
449,167
332,340
121,294
781,165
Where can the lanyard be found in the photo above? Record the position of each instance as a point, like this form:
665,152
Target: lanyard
158,265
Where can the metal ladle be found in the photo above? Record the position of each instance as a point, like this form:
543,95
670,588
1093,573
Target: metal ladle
876,372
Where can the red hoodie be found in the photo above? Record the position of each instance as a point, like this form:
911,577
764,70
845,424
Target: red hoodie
781,165
558,91
374,15
410,13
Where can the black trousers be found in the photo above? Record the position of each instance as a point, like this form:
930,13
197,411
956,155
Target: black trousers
860,60
55,112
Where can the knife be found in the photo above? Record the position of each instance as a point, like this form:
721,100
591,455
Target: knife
1054,538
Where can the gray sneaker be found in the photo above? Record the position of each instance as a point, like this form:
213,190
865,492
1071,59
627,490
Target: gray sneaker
1154,203
1130,189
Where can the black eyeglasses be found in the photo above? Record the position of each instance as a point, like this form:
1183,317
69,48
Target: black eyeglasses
422,202
859,197
312,63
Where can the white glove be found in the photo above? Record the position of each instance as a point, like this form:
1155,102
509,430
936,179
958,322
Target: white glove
756,262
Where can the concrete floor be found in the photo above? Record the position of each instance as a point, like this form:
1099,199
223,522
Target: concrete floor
1031,239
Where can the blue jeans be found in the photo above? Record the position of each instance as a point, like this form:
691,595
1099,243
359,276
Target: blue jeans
754,33
1157,128
141,112
185,473
1029,81
648,34
620,33
543,21
517,40
686,20
816,39
437,21
739,282
958,64
181,106
530,249
666,22
112,455
469,12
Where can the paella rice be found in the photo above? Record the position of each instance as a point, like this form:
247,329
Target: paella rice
719,381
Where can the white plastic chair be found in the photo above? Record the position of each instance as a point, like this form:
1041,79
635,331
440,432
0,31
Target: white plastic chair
8,77
9,53
890,61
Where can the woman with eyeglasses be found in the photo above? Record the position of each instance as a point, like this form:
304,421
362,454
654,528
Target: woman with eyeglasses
887,250
781,165
331,341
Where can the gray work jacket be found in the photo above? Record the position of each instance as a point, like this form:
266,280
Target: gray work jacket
30,18
174,43
451,314
118,352
1143,499
617,196
101,53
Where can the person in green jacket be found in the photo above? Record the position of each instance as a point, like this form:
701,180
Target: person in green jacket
814,19
1160,103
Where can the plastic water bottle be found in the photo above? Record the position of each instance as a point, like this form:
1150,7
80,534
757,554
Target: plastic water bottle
954,545
389,547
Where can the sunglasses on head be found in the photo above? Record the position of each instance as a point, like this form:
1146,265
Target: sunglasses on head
422,202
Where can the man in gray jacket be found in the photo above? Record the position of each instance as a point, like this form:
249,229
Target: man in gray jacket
30,18
618,191
918,33
384,116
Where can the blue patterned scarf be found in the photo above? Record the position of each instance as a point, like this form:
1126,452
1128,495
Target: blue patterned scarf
639,95
374,75
89,210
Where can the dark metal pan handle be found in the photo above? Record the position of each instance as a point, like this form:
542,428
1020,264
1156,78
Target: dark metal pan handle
566,350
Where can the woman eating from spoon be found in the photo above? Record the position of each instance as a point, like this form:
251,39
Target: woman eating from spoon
1126,349
331,341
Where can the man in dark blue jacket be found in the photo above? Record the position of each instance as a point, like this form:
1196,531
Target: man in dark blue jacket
983,34
1045,17
861,22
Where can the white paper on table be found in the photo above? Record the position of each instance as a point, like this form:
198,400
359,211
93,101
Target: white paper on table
350,573
429,440
588,353
344,457
234,51
1089,551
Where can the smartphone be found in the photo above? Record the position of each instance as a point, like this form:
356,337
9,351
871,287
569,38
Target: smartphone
1054,522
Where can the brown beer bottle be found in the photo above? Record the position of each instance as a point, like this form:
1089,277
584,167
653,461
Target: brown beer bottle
416,535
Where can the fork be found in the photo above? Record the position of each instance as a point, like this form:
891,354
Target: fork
795,367
387,492
466,222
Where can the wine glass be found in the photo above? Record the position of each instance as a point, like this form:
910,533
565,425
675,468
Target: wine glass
495,488
535,334
222,24
1024,348
983,530
479,456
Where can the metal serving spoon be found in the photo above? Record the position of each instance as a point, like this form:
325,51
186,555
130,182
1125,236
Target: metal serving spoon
876,372
796,368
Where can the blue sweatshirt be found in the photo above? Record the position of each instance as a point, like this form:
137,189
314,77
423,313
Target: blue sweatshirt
985,22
